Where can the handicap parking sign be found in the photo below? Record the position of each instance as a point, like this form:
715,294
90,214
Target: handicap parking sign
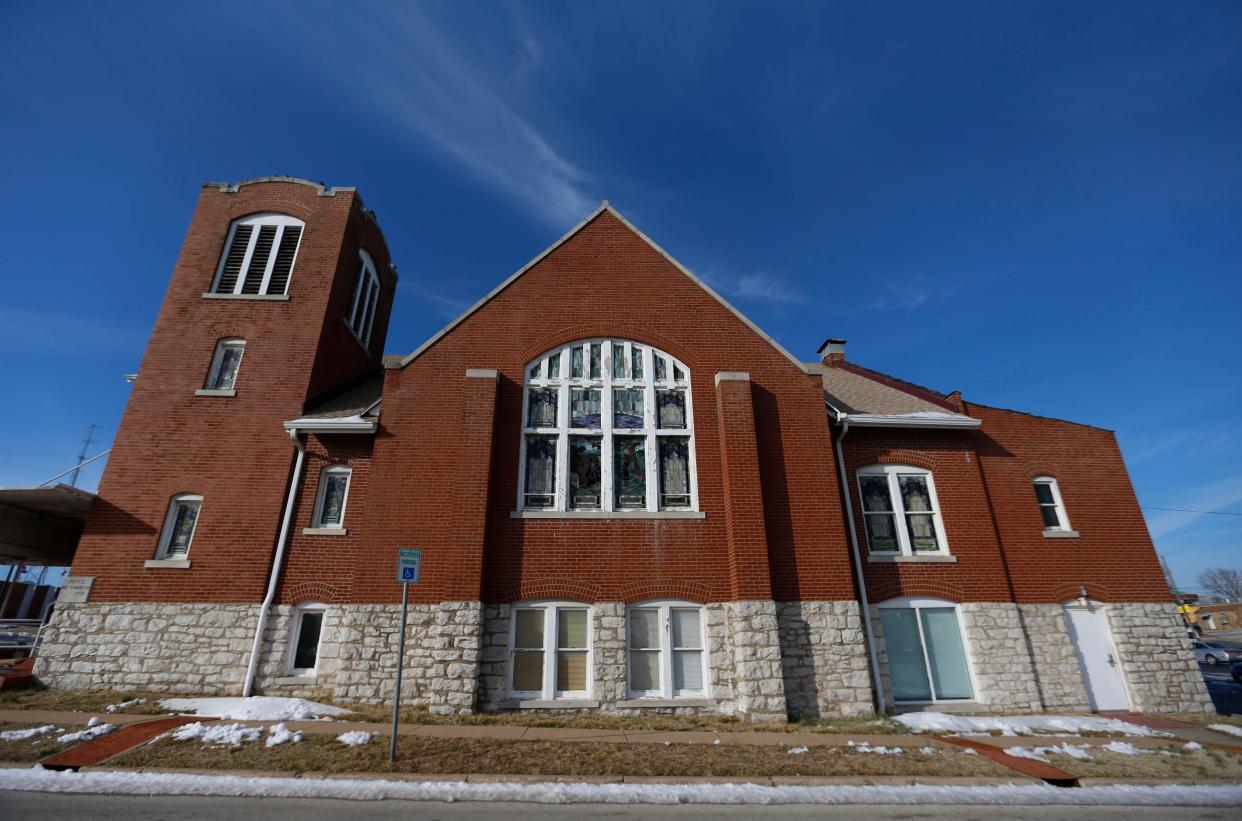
409,560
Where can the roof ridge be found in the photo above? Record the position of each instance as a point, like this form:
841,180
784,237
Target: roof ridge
1037,416
896,383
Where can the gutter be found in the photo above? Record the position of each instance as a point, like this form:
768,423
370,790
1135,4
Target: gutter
868,630
903,420
274,579
342,424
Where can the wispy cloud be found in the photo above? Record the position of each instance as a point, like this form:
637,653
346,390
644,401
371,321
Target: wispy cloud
459,97
912,294
764,286
34,331
449,307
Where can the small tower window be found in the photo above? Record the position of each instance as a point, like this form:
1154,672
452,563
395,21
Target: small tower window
259,255
224,365
179,525
362,305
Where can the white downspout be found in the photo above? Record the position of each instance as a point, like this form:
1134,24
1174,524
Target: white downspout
276,565
868,632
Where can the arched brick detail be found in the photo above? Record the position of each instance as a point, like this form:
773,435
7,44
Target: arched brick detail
666,589
312,591
551,588
897,587
1095,591
626,331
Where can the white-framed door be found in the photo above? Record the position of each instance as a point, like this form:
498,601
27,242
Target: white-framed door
1097,657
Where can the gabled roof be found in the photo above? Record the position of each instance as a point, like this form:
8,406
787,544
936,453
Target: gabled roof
864,399
388,361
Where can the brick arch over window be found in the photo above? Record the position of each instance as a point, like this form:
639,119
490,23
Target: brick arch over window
617,330
666,589
912,458
896,587
1095,592
550,588
312,591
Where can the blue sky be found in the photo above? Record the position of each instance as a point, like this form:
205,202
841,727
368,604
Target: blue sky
1037,204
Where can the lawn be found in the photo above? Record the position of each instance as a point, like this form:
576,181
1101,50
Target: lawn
85,701
33,749
323,753
1180,763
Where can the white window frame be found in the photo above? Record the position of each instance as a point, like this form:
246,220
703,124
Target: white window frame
258,221
550,610
564,384
893,474
1058,503
321,493
362,307
667,691
295,633
170,517
217,361
917,603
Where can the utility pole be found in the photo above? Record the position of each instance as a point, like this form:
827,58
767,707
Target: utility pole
1168,577
86,443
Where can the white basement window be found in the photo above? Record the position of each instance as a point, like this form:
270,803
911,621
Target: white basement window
666,644
306,629
927,659
364,300
179,526
550,651
331,497
900,512
1051,508
226,361
259,255
607,426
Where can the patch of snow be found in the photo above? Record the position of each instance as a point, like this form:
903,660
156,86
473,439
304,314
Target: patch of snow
1040,753
367,789
1227,729
357,738
799,750
94,722
280,734
1192,746
255,708
1125,748
1021,725
29,732
864,747
112,708
232,735
928,750
93,730
969,751
717,741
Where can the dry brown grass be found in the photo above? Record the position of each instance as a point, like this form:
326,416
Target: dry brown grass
473,756
1207,764
1204,719
33,749
86,701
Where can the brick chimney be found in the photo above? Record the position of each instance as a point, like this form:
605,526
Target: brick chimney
833,350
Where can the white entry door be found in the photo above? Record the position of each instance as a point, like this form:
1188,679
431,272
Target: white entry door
1097,658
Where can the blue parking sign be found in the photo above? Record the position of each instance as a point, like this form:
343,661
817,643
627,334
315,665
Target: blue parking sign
409,559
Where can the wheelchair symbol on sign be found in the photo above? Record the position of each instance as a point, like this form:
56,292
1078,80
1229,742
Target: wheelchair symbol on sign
407,574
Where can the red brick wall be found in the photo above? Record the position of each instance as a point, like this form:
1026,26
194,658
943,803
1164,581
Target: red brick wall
1113,557
605,281
231,450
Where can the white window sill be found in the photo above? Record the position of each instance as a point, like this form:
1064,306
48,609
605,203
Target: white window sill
206,392
168,564
607,514
640,703
966,705
548,704
1061,534
295,680
903,559
324,531
252,297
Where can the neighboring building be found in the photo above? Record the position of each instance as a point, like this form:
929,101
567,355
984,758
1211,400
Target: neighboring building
1215,618
628,499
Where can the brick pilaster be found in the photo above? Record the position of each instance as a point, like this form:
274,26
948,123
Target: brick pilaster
749,574
474,468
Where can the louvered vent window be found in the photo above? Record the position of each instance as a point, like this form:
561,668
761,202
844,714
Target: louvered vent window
365,298
259,255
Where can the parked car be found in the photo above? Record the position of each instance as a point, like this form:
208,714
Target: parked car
1236,671
1213,652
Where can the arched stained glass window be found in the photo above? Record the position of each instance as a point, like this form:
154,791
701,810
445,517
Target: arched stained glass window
607,426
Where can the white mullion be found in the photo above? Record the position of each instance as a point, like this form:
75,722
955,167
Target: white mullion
904,545
549,652
245,266
694,472
608,503
666,652
931,684
271,259
650,424
561,502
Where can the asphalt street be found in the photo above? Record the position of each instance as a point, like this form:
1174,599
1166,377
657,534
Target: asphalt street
49,806
1225,692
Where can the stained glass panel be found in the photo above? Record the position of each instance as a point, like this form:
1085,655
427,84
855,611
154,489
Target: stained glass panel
627,408
335,485
226,376
541,411
674,471
661,368
678,374
575,363
619,370
672,408
914,494
540,471
881,532
584,408
922,532
875,496
584,472
630,472
638,362
183,528
596,356
554,366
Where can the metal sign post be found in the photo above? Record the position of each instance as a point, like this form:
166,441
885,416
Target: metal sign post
409,560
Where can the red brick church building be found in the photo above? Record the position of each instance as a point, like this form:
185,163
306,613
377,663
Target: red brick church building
628,498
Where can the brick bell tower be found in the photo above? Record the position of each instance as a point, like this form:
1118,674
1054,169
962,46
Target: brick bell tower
282,292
